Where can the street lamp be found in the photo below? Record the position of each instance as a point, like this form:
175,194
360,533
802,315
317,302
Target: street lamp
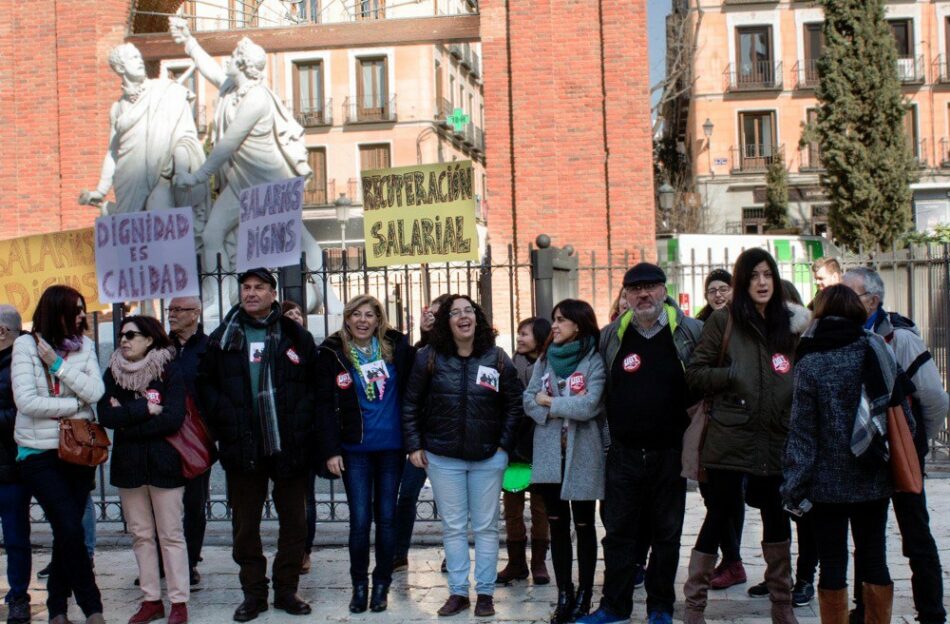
343,205
708,128
666,193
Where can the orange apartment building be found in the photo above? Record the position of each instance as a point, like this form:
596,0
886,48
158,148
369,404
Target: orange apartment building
362,107
754,78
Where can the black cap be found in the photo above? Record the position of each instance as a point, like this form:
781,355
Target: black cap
644,273
718,275
260,273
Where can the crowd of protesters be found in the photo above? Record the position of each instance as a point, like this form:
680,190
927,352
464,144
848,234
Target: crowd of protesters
765,402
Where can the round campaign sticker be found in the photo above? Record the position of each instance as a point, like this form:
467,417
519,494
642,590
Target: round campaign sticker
780,364
344,381
153,396
292,356
631,363
577,383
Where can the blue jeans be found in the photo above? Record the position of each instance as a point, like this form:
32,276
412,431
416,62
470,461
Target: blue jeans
463,491
372,485
89,526
15,517
412,481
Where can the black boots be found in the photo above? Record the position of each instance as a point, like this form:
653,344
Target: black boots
378,602
565,605
360,597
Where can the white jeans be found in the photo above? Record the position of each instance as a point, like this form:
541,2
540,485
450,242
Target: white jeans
463,491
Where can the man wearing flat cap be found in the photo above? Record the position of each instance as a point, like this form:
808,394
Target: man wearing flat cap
256,391
645,351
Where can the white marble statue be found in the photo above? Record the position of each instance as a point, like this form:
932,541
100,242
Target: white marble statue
256,140
152,137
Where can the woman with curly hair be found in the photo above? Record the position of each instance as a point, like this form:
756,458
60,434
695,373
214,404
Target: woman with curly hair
458,420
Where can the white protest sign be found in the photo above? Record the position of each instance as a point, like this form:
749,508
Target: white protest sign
270,226
146,255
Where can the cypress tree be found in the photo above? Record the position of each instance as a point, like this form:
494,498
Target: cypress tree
776,194
866,154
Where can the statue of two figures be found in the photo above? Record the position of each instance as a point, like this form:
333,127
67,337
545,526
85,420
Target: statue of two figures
155,159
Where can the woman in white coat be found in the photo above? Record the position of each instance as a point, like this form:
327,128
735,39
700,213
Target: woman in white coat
55,375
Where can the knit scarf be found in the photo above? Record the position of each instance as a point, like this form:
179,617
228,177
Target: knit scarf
233,339
358,359
136,376
70,344
564,358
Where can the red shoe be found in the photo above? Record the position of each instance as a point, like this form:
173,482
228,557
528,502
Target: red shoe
728,574
179,614
148,612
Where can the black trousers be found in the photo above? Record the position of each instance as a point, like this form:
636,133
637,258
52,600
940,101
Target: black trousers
247,493
730,541
559,514
919,547
196,518
868,528
642,484
725,491
807,561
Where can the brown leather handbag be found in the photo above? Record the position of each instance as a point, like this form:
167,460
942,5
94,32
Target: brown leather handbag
905,465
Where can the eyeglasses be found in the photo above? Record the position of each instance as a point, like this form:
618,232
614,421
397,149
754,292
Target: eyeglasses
722,290
864,294
643,287
130,335
178,309
467,311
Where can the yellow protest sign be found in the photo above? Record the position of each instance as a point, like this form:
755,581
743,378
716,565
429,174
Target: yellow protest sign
421,213
31,264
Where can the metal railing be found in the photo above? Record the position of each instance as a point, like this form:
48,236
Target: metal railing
479,140
941,71
809,158
944,155
466,60
921,157
443,110
910,70
753,76
754,158
364,110
476,65
806,73
312,113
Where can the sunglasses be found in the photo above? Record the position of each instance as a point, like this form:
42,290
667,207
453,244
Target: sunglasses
130,335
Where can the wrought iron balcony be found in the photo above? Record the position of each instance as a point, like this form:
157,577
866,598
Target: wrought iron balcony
806,73
476,65
754,76
752,158
941,70
313,113
921,157
910,70
443,110
809,158
369,110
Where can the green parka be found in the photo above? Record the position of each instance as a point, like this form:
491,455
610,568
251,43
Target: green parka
751,395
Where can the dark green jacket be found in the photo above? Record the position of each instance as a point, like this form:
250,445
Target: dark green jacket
751,395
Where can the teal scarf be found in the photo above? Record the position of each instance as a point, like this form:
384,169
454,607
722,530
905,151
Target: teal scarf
564,358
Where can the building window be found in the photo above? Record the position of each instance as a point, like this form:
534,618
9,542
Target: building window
374,156
819,219
315,193
753,220
242,13
370,9
754,63
910,130
814,40
452,90
903,31
757,143
308,11
189,12
372,91
811,152
308,93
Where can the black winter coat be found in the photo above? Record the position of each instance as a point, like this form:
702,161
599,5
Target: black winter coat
8,450
339,414
449,412
224,395
189,357
140,454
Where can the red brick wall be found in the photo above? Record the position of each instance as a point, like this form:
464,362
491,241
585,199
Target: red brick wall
55,92
581,167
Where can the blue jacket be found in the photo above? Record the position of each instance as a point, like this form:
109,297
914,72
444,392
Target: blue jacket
189,357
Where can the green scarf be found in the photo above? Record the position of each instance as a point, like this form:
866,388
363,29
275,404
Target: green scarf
564,358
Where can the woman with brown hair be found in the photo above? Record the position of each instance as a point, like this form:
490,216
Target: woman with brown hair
362,372
55,375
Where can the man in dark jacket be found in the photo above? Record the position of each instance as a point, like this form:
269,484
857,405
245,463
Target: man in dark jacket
257,395
14,496
645,351
929,406
191,342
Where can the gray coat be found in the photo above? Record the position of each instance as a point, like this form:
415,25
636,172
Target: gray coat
583,477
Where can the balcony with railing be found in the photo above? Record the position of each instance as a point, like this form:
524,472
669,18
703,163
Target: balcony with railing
809,158
317,195
910,70
443,110
312,113
941,70
476,65
753,76
755,158
479,140
806,74
921,157
455,49
369,110
468,135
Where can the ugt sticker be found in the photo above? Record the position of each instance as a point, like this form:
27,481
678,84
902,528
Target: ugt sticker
292,356
631,363
577,383
153,396
344,381
781,364
487,377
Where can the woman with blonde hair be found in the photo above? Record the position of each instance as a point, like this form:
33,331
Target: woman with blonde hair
362,372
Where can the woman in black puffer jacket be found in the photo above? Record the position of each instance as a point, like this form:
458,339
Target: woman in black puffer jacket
144,403
459,416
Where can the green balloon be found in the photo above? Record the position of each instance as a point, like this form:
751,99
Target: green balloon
517,478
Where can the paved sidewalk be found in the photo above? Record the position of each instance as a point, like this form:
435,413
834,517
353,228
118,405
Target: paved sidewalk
416,595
